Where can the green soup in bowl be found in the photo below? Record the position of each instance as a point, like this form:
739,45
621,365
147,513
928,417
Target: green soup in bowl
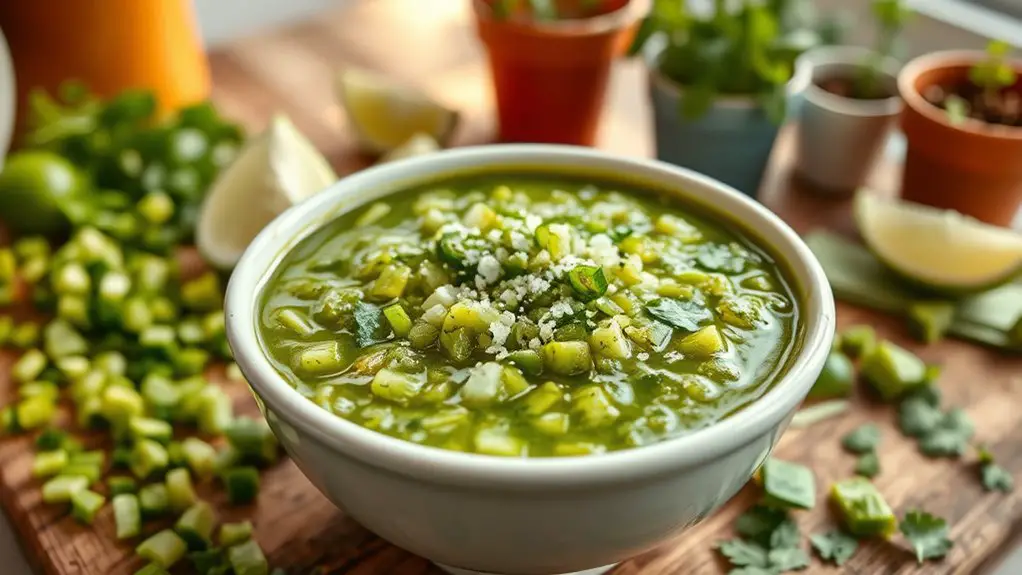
520,314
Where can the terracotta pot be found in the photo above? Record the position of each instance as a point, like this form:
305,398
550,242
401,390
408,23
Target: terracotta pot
550,78
974,168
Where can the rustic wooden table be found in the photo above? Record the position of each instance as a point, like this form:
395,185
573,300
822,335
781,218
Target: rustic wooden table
291,71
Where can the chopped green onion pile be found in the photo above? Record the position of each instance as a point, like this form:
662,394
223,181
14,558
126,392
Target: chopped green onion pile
129,337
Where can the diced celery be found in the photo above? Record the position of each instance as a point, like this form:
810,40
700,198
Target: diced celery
248,559
552,423
391,283
29,366
196,524
199,456
156,207
215,410
61,339
892,371
319,359
295,321
121,403
253,440
542,399
154,500
567,357
158,337
160,394
180,492
71,279
528,360
136,315
165,548
610,341
148,457
74,309
149,428
398,319
127,515
111,363
94,457
705,342
190,361
85,505
593,407
498,441
864,511
25,335
202,293
60,488
513,382
36,412
91,471
73,367
576,448
49,463
234,533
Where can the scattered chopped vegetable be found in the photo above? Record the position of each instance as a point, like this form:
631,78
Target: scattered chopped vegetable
893,371
164,548
834,546
836,379
127,515
788,484
868,465
863,439
927,535
862,508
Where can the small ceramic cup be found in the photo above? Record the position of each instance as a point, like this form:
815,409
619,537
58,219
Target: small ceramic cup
840,139
474,513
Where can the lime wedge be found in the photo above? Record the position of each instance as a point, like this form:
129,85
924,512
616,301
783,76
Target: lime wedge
385,114
418,145
276,169
938,249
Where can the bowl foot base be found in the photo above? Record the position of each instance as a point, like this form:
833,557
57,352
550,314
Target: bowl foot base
460,571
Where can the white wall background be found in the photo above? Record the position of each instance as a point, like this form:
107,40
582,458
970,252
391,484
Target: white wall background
222,20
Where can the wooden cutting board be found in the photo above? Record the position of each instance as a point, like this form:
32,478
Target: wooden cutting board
290,71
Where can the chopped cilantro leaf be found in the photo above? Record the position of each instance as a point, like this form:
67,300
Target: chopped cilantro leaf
788,559
868,465
680,314
788,484
834,546
785,535
368,323
927,535
917,417
996,478
862,439
742,553
759,522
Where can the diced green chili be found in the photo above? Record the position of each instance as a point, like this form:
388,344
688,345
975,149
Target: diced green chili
91,471
588,282
892,371
858,340
253,439
837,379
147,458
398,319
152,569
49,463
180,492
242,484
36,412
149,428
862,508
50,438
930,320
29,366
196,524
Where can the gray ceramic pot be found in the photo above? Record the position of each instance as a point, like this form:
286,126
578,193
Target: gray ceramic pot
840,138
731,143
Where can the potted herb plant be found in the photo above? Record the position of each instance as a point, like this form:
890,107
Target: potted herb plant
719,83
550,61
849,101
963,122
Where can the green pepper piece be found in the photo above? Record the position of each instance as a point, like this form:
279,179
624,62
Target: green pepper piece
788,485
863,510
127,515
85,505
858,340
930,320
247,559
234,533
837,379
893,371
588,282
164,548
196,524
242,484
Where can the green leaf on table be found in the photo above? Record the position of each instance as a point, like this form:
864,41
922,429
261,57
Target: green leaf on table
943,442
927,535
917,416
760,522
996,478
742,553
862,439
788,484
683,315
834,546
868,465
785,535
788,559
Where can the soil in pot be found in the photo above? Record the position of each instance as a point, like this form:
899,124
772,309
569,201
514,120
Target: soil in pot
966,100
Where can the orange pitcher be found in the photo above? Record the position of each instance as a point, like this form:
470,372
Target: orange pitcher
110,45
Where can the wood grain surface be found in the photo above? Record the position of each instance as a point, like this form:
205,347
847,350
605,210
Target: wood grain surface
291,71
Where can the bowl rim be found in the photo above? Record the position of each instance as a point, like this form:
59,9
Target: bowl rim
402,457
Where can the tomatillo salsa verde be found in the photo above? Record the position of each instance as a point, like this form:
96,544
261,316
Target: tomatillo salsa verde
526,315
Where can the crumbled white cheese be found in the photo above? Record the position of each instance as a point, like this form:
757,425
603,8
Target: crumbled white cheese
561,308
546,330
532,221
489,269
534,343
444,296
520,242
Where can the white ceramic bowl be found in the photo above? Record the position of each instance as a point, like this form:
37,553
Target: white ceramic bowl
525,516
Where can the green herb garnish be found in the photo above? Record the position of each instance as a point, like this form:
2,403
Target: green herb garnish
862,439
834,546
680,314
588,282
868,465
788,485
927,535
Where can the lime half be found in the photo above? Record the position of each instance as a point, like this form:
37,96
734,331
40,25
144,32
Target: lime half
35,187
386,114
939,249
276,169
